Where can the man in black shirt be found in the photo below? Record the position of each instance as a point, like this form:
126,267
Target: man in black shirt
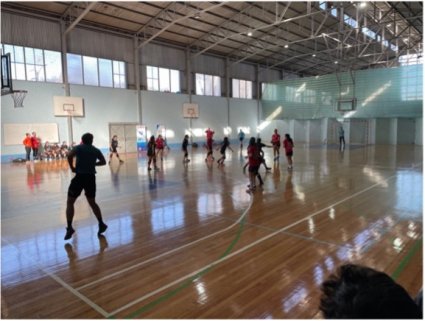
87,158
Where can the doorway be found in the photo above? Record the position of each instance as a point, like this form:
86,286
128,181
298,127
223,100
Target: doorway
126,133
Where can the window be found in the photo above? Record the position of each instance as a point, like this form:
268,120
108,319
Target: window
413,59
53,66
119,74
91,73
350,21
327,5
105,73
34,64
75,69
369,32
411,88
84,70
163,79
241,88
45,65
208,85
152,77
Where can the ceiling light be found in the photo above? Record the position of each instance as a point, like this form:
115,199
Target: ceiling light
336,62
363,4
313,55
249,33
197,15
286,46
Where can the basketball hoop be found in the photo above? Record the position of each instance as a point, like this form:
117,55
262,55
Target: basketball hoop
18,97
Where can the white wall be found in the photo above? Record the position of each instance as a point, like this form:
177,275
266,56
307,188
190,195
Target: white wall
301,130
38,108
405,131
315,131
418,131
107,105
383,133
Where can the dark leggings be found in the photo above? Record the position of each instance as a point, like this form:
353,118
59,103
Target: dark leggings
28,151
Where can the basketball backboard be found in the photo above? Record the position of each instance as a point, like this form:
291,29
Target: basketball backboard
190,110
6,75
68,106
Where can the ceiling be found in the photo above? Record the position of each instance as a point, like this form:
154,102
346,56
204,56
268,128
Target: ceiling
298,37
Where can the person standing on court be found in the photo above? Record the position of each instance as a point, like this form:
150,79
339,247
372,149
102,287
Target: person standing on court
276,145
241,136
288,145
35,144
184,149
151,153
87,158
113,149
210,134
28,145
160,144
223,148
341,138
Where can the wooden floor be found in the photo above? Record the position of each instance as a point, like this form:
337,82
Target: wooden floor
190,242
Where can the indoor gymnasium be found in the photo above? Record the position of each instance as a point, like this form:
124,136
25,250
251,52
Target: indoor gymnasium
211,160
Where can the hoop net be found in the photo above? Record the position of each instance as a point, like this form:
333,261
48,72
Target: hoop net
18,97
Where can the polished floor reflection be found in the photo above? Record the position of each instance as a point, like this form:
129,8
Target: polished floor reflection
188,241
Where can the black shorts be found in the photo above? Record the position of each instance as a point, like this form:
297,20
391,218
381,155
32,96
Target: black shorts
240,139
80,182
289,153
253,169
114,150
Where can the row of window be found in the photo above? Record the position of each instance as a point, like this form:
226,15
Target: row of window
354,24
44,65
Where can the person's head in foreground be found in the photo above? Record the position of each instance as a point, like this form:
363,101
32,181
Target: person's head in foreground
358,292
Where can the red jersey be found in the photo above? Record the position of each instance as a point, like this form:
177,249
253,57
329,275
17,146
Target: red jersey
253,156
276,139
209,133
35,143
159,143
288,145
27,142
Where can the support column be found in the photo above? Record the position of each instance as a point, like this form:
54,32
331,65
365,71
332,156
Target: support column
228,90
66,86
257,82
137,79
189,87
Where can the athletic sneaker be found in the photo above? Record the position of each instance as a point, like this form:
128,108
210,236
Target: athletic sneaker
69,232
102,228
121,161
149,169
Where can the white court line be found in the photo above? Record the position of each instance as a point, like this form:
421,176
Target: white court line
169,252
63,283
183,278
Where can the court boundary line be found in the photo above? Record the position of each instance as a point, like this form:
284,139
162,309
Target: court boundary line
247,247
57,279
170,251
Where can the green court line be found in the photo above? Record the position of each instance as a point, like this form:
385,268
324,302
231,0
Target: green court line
188,282
406,259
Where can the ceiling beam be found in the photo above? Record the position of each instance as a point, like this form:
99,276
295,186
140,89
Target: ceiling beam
175,20
80,17
255,29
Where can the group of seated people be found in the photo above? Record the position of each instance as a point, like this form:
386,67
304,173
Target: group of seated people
52,151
